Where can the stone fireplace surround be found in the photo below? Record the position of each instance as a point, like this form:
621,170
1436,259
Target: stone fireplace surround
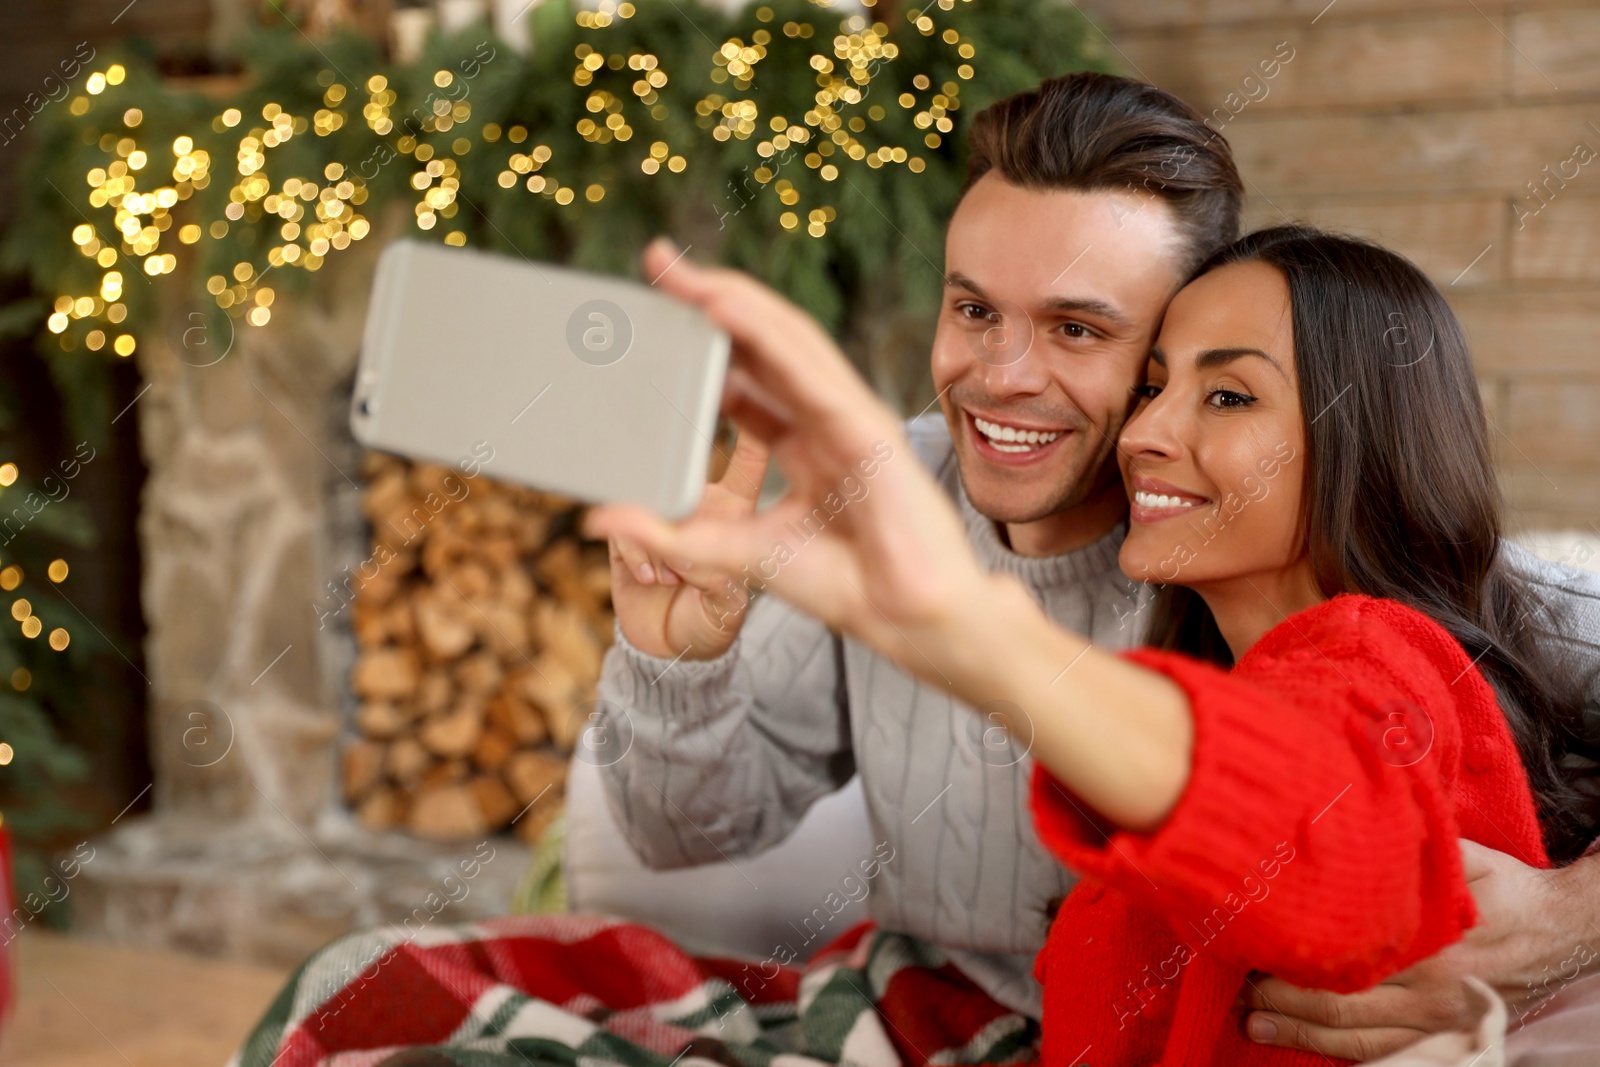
252,504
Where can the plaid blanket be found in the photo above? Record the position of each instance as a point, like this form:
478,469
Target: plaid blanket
584,991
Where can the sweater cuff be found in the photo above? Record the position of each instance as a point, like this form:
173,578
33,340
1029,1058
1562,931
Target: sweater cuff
677,688
1221,823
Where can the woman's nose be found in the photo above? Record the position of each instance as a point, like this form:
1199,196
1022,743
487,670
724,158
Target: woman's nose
1153,430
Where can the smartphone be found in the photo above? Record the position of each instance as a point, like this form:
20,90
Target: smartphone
594,387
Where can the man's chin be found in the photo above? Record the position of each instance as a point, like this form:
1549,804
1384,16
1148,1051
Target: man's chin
1010,504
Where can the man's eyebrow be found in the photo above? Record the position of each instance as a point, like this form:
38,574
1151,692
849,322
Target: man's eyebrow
956,280
1087,305
1218,357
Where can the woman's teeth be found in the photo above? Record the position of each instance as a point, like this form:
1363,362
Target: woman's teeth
1011,439
1161,500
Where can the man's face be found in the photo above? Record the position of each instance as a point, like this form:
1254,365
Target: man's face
1051,302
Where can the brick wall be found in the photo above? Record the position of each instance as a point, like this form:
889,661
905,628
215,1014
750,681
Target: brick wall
1422,123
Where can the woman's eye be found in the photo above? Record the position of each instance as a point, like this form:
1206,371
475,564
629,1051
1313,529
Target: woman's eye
1147,391
1229,398
1076,329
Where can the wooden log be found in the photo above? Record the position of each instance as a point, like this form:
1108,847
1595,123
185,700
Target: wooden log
443,625
388,673
455,733
562,630
532,531
499,550
436,691
446,772
387,494
399,622
494,800
500,511
509,712
405,761
531,825
361,764
532,772
447,813
369,623
495,746
380,719
548,683
479,674
504,631
515,586
382,809
566,722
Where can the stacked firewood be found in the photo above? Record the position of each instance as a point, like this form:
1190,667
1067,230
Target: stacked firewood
481,619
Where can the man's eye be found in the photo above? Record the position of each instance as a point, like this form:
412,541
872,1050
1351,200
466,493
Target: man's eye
1076,329
1228,398
1147,391
975,312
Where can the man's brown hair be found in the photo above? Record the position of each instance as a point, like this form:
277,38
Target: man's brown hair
1090,132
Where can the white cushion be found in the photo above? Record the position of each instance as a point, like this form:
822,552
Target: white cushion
746,907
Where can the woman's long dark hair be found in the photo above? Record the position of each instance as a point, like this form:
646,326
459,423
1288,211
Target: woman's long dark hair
1401,499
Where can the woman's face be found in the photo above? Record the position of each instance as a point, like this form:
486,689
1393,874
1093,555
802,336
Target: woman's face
1212,457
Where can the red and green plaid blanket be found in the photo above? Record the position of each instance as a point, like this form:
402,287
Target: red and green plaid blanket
585,991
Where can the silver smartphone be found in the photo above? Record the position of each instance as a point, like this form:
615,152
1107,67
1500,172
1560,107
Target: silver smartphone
594,387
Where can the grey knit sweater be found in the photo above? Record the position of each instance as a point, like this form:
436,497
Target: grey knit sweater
729,753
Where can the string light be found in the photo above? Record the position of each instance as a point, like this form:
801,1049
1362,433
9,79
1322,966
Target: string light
21,678
8,473
312,216
57,570
6,754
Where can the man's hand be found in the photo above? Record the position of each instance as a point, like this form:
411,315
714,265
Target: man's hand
1536,931
695,612
864,539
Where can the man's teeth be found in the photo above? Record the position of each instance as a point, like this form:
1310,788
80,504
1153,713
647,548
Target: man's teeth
1160,500
1011,439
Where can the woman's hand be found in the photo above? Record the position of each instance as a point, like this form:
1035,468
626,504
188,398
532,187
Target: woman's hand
865,539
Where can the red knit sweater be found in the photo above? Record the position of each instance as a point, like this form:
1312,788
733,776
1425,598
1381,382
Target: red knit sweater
1334,769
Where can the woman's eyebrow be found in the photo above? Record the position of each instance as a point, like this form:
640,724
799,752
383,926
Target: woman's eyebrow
1218,357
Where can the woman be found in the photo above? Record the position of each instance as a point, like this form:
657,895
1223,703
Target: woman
1310,478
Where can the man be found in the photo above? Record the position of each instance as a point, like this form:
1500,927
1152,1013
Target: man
1089,201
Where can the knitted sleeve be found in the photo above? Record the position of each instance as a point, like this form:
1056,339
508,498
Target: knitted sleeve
1316,837
723,758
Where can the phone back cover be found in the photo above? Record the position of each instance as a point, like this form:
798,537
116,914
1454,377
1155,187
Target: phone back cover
594,387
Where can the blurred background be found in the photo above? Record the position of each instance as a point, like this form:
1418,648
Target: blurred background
227,734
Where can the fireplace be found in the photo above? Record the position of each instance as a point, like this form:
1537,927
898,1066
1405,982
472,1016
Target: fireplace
332,735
